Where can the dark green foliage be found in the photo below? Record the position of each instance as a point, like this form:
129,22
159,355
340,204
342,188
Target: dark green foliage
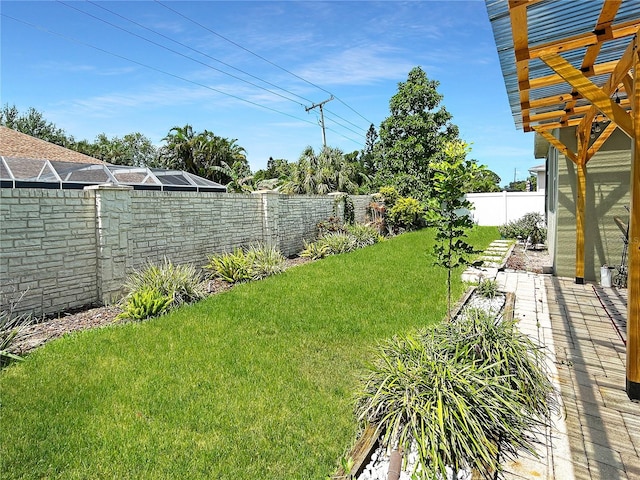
199,153
348,208
412,137
33,123
531,226
469,393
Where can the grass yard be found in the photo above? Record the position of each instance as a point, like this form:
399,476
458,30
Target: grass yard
253,383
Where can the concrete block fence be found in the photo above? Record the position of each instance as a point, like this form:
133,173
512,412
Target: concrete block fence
71,248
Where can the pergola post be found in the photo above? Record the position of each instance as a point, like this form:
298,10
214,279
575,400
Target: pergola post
633,306
581,192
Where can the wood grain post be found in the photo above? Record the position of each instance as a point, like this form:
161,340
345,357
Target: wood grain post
581,191
633,300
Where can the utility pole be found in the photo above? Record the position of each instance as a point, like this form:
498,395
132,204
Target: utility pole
319,105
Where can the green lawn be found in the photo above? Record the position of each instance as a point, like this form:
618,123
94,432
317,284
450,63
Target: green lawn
255,383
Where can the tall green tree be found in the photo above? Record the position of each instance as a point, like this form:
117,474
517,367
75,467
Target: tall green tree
33,123
412,137
451,175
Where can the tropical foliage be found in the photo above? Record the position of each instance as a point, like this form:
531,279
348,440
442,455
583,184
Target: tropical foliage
156,289
203,154
412,137
465,394
243,264
321,173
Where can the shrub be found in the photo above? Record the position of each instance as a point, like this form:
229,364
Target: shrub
364,235
145,303
266,260
180,283
530,227
332,224
406,214
256,262
488,288
467,394
389,196
338,242
315,250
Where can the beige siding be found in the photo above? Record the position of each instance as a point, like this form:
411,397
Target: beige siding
607,194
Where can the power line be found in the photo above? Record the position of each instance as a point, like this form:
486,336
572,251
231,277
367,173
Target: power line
208,87
198,51
205,64
262,58
175,51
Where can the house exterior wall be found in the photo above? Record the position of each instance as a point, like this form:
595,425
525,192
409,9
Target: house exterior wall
69,248
607,192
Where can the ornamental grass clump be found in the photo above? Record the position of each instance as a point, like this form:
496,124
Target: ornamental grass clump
157,289
253,263
335,239
12,330
465,395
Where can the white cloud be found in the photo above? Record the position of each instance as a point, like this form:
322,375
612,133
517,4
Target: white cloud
362,65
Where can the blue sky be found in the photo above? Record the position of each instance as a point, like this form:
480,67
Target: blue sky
247,70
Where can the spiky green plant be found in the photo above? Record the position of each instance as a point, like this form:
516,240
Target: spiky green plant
364,235
235,267
315,250
466,394
12,329
182,283
337,242
488,288
145,303
266,260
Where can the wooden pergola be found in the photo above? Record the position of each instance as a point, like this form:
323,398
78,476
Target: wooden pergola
567,63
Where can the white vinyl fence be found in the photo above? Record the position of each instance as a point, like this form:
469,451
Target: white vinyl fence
498,208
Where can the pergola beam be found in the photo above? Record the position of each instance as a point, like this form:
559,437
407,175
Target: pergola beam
581,41
591,92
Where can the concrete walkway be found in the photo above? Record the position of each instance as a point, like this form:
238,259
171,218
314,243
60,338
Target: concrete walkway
597,434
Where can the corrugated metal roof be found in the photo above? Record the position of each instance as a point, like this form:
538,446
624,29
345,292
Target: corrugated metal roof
549,23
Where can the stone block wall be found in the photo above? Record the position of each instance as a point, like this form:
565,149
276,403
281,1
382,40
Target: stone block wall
48,248
70,248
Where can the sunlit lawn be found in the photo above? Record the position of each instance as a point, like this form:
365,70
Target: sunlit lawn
255,383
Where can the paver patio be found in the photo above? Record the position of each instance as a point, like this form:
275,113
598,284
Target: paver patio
597,435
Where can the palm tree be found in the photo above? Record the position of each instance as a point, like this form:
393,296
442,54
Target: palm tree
323,173
180,148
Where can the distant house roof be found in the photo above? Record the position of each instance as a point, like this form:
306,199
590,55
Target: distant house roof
538,168
20,145
28,162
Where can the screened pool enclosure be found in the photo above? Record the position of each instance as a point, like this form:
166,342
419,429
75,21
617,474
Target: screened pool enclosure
29,173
